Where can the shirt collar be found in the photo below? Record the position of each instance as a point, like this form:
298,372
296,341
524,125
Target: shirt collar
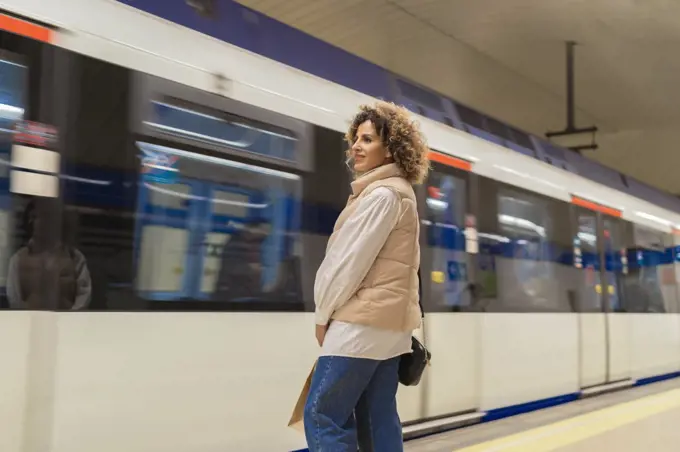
376,174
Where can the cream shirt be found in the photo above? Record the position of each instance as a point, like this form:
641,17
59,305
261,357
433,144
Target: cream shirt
346,264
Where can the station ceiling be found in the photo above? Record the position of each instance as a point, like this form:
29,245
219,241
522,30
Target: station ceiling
507,58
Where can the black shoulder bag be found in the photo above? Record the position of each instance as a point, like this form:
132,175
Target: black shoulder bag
412,365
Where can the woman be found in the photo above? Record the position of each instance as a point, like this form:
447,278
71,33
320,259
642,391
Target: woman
366,289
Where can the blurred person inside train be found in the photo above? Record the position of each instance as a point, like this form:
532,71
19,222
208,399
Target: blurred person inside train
48,261
366,289
241,269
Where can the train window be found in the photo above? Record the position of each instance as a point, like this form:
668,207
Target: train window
448,261
649,282
521,138
524,246
497,128
13,77
170,223
180,119
553,151
587,269
614,237
471,117
31,232
214,229
420,95
167,110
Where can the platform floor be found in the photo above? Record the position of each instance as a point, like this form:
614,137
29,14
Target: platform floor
645,419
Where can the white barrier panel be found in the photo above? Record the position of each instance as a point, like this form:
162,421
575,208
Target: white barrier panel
592,349
14,349
179,382
619,346
452,383
655,344
527,357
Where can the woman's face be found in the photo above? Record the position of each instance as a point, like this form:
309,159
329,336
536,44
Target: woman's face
368,151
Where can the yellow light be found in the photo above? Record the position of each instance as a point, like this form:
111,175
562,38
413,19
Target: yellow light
438,277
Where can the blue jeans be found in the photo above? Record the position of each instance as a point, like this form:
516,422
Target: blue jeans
352,405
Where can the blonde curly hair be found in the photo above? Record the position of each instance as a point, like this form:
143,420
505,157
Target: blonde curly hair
399,134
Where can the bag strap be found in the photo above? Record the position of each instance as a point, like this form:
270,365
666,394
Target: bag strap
420,295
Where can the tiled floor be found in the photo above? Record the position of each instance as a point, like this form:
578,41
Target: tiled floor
649,423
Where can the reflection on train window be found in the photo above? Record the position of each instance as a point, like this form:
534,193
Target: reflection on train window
650,283
445,211
26,281
523,256
214,229
224,130
588,276
525,222
12,91
613,235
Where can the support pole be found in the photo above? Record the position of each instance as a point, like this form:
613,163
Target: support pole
571,129
571,124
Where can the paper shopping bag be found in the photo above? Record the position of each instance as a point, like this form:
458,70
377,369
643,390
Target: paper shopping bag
297,418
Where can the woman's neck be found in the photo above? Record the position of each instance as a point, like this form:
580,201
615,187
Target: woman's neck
358,174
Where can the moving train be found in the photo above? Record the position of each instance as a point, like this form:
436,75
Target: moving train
200,164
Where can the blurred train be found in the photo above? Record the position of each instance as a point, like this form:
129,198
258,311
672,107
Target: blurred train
200,160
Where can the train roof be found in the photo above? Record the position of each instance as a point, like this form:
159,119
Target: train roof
273,66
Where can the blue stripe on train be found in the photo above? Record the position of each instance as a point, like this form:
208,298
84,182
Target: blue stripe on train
112,190
656,379
514,410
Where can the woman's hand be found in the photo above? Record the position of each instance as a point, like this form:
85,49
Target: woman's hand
321,333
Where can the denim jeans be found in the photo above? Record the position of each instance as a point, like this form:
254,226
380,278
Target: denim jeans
352,406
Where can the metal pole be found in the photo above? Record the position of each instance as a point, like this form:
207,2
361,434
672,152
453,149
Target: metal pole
570,85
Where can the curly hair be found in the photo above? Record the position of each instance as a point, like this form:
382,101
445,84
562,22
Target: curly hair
399,134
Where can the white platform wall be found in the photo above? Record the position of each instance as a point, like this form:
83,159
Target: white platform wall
14,349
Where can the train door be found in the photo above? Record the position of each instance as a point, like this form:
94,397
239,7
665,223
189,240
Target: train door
168,208
448,266
191,221
199,238
13,76
236,215
219,202
445,259
592,322
32,88
618,323
603,335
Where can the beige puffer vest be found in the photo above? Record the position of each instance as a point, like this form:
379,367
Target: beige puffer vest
388,296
